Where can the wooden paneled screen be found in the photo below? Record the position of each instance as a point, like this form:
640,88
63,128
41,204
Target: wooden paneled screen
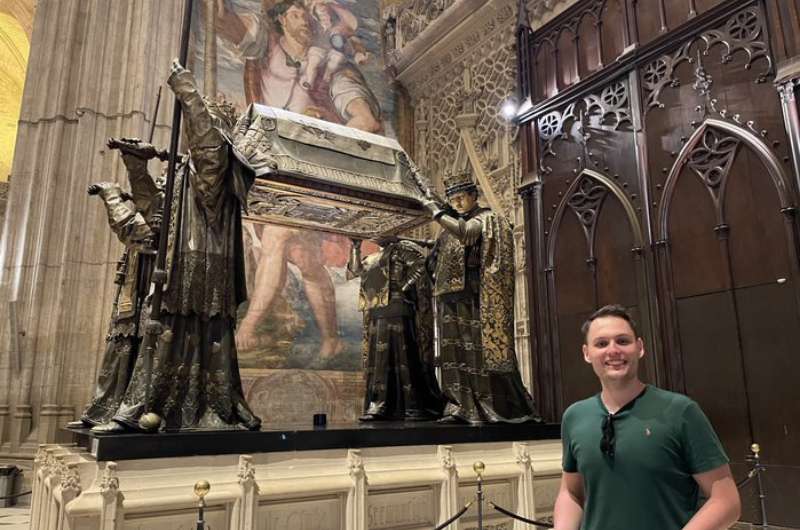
660,144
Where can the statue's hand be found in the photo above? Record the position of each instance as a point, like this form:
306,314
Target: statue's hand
136,147
431,205
176,67
103,189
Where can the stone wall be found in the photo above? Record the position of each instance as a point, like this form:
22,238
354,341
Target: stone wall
94,71
3,201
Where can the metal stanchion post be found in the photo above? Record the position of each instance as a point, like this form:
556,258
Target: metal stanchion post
762,495
479,467
201,489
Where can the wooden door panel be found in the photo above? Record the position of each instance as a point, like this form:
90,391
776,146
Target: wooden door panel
577,378
759,244
616,268
713,366
770,332
573,279
612,30
698,264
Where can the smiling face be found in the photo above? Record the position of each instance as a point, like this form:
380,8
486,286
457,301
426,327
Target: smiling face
613,350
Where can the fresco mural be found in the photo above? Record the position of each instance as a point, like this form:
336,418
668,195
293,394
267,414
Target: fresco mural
299,334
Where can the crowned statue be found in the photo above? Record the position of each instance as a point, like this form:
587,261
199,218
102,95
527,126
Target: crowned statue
472,265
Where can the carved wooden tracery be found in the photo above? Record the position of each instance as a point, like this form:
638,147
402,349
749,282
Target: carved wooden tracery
684,127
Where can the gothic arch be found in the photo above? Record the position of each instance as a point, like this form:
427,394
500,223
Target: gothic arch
616,191
777,174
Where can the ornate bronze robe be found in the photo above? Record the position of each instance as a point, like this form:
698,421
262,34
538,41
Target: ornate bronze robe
190,377
125,327
474,290
398,335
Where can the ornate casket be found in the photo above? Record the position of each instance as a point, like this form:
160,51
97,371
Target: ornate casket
324,176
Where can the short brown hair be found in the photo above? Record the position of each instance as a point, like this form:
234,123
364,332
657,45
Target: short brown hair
611,310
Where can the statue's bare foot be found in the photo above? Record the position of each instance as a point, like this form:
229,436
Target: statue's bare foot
78,424
330,348
109,428
246,337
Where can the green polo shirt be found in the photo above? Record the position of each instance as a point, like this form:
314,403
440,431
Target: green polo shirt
662,439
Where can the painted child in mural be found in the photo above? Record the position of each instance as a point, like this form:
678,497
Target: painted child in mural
398,332
302,58
135,218
190,376
473,271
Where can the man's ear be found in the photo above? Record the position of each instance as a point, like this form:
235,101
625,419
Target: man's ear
641,347
585,350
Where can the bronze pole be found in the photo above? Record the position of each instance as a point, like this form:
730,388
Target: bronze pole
160,275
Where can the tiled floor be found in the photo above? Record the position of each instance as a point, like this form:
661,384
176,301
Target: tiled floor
16,518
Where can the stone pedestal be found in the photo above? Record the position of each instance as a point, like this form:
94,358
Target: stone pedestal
380,488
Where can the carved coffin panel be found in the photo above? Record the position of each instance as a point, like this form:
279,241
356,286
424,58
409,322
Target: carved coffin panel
323,176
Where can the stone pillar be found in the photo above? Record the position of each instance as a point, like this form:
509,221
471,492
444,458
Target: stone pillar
356,516
111,516
448,502
94,70
526,503
246,507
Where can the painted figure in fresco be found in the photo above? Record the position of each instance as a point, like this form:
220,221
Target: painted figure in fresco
337,44
300,63
135,218
280,246
398,332
277,47
190,376
473,272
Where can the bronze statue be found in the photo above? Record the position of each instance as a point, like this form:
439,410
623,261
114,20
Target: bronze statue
398,332
473,270
135,218
189,374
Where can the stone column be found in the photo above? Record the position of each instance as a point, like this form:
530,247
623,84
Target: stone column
356,515
94,70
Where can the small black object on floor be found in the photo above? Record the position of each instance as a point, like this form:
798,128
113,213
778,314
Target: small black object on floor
274,438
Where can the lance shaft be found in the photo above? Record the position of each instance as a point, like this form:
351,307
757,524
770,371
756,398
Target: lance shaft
160,274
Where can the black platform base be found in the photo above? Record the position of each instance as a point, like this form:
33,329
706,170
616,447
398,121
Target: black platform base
303,438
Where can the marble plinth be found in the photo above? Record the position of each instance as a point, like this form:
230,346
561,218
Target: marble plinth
386,487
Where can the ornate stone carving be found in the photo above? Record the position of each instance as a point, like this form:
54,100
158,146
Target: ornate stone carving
416,15
446,457
745,31
355,464
70,480
522,453
247,471
109,482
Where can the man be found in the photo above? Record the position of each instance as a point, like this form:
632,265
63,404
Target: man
473,270
635,456
275,48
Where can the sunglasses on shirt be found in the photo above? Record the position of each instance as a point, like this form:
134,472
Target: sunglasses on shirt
608,440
